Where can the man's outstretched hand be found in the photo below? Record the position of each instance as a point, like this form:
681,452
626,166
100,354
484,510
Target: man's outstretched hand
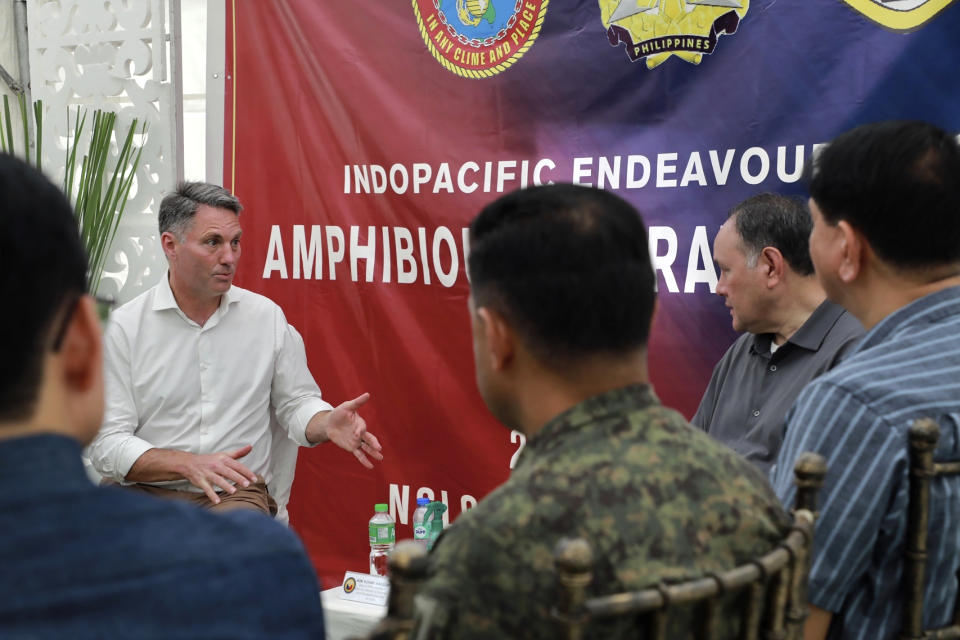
346,428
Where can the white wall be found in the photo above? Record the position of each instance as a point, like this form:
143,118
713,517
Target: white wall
8,58
194,42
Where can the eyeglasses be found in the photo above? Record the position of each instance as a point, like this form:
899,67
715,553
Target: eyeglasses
104,307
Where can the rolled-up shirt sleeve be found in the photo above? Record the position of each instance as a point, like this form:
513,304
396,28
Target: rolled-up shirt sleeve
294,393
116,448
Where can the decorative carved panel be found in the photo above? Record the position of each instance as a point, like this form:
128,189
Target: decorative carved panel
112,55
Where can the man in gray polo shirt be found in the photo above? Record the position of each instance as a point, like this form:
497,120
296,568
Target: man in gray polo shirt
792,333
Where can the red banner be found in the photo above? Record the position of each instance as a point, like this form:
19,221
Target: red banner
402,335
362,138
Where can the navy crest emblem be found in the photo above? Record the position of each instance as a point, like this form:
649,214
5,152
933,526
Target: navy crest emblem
479,38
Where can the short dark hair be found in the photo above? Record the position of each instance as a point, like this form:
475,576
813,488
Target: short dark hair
569,266
898,183
178,208
781,222
44,269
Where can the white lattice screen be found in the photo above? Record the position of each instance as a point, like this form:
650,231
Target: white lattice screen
115,55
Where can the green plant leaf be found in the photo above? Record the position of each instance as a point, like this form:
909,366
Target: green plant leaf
22,100
3,139
38,125
6,113
103,187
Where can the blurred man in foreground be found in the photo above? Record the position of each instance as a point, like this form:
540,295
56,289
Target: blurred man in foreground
885,200
195,366
80,561
792,333
562,297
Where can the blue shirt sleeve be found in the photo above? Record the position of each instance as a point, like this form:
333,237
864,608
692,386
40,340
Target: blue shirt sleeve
865,459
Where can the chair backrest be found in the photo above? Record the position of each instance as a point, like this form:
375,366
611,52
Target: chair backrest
408,570
771,589
924,435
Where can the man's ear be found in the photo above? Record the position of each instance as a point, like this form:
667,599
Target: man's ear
853,248
499,338
773,264
169,243
82,348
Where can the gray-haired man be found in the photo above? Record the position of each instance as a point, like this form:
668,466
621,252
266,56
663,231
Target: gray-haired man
195,365
792,333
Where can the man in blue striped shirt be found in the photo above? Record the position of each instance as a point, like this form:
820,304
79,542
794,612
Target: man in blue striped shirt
885,201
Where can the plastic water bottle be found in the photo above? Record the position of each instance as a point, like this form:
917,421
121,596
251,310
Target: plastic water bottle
419,527
382,537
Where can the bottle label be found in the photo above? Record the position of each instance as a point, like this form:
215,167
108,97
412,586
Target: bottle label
382,533
419,532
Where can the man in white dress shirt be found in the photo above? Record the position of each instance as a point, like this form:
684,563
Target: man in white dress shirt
194,367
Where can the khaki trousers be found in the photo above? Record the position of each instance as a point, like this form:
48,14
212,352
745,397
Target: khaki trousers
253,498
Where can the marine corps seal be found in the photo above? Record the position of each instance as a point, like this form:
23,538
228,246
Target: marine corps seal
902,15
479,38
654,30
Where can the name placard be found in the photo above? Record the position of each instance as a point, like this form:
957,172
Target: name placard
365,588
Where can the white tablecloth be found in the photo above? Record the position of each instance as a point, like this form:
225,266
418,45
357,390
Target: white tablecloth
344,619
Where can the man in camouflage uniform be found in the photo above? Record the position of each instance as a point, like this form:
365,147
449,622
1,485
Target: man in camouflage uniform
561,304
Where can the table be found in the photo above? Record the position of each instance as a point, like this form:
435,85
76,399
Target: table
344,619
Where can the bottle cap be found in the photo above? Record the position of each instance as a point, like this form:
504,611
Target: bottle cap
422,502
380,507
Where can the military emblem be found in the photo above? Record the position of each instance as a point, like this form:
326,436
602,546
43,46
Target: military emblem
654,30
900,15
479,38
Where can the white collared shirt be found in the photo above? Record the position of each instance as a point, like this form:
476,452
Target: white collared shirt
172,384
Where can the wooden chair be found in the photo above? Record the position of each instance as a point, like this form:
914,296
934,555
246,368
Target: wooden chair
924,434
772,588
408,569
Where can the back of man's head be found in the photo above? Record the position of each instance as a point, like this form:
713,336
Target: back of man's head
44,271
898,183
774,220
569,267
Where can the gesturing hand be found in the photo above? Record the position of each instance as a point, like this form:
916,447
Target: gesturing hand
346,428
217,470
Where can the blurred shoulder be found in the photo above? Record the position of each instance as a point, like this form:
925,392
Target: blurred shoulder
184,533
